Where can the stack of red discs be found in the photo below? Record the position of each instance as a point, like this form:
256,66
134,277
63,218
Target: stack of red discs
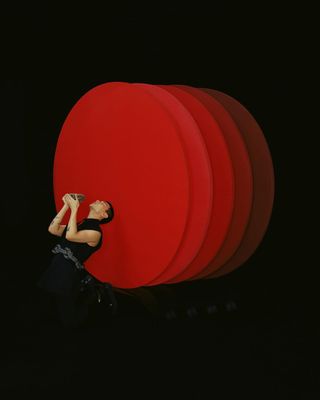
187,170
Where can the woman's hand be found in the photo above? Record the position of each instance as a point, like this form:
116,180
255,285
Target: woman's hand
64,199
71,202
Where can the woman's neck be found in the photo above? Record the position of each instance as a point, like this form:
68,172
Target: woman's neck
93,215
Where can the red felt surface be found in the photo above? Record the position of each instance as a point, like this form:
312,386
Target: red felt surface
263,181
119,143
200,176
243,192
223,181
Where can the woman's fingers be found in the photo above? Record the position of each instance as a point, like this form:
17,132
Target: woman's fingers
71,201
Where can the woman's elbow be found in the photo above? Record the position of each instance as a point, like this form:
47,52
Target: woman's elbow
69,236
52,231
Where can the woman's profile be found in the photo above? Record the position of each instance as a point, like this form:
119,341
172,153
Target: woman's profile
66,276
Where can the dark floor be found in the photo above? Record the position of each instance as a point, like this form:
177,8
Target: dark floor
165,341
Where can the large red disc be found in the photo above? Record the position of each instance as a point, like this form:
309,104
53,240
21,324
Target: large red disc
119,143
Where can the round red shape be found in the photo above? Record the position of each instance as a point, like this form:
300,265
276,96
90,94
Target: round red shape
118,143
243,188
223,181
263,181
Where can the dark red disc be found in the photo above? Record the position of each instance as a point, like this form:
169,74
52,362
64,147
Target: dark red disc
223,181
263,181
242,177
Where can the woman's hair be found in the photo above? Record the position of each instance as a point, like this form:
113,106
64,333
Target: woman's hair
110,212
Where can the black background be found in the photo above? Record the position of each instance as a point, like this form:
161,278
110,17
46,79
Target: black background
257,54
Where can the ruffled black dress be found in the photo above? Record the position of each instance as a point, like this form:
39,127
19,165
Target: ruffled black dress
66,269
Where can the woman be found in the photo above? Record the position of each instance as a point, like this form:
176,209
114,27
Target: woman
66,276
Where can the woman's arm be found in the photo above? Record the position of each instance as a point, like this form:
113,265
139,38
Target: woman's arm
72,228
55,227
84,236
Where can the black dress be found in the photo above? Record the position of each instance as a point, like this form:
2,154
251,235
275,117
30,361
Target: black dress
63,272
66,270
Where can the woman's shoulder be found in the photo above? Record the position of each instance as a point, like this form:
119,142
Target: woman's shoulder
90,223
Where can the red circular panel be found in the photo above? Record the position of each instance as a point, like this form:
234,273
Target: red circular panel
243,182
200,183
263,181
223,182
118,143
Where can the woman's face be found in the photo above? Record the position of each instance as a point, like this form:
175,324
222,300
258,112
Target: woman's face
100,206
